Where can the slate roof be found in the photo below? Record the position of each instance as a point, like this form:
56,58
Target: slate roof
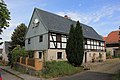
59,24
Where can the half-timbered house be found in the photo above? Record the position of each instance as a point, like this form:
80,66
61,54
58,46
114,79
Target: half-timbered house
48,33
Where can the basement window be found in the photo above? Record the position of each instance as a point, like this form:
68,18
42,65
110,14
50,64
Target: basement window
59,55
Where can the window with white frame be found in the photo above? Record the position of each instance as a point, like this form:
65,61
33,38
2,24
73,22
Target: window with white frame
52,45
88,41
63,45
58,45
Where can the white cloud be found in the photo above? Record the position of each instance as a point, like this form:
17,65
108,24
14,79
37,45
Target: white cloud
93,17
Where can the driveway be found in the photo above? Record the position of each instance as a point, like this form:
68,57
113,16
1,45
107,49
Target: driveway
99,71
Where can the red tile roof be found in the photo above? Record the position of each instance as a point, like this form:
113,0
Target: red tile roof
112,37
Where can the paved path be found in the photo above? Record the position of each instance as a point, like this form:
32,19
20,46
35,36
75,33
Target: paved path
23,76
7,76
99,71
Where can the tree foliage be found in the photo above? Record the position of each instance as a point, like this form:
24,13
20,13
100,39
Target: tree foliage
74,48
4,17
70,46
18,36
17,52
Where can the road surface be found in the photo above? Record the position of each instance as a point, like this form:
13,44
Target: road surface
8,76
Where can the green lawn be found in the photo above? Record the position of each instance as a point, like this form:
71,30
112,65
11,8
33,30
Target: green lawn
60,68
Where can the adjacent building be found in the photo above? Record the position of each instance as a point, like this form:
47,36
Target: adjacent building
5,51
112,43
48,33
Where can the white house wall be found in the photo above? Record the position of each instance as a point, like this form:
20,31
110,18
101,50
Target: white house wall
90,54
52,54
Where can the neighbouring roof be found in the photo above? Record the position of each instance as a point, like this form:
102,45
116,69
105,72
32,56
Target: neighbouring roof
56,23
113,37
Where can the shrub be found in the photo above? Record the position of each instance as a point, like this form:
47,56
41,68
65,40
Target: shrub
57,69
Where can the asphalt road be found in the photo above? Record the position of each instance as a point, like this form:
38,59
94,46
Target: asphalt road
8,76
88,75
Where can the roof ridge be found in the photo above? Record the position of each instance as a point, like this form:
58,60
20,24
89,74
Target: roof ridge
54,14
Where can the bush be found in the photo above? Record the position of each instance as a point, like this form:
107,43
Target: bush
16,53
57,69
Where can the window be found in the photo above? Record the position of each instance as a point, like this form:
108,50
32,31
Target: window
58,37
52,45
40,55
88,41
58,45
63,45
64,39
41,38
59,55
91,41
29,41
85,46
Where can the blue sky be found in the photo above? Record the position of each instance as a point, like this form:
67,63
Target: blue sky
102,15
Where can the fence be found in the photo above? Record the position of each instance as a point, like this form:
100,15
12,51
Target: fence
33,63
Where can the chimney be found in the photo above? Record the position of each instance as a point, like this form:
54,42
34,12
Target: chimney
66,17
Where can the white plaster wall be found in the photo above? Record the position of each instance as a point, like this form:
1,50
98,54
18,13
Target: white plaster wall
90,56
111,49
52,54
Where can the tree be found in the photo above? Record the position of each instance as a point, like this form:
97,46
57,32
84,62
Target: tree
78,46
70,46
4,17
74,48
18,36
17,52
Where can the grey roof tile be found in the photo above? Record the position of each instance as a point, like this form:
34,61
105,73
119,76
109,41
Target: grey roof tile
56,23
